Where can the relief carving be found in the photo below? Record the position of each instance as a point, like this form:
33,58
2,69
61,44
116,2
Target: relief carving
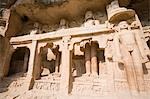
50,86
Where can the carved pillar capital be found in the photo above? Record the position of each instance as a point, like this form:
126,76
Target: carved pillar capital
83,44
66,42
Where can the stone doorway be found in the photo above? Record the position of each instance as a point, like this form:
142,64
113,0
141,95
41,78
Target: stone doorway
19,61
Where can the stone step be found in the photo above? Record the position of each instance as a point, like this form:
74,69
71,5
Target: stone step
8,81
11,87
36,94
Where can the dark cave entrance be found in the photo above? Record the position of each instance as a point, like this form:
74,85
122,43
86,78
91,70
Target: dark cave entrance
19,61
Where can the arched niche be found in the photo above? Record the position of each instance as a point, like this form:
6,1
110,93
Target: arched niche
50,59
19,61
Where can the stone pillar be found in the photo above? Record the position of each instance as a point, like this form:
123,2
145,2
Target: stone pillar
57,63
37,69
94,59
88,58
25,65
31,64
66,73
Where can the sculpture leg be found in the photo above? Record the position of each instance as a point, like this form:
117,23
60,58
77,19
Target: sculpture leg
94,59
131,77
87,59
138,68
57,63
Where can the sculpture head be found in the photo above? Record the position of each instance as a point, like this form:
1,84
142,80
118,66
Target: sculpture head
36,25
135,24
6,13
115,4
89,15
123,25
63,23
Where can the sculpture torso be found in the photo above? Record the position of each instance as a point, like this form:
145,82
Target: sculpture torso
127,38
89,23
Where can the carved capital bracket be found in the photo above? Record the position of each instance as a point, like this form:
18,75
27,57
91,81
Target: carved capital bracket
84,42
67,43
102,40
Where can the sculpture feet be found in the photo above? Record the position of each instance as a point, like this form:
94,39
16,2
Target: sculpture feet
94,75
86,74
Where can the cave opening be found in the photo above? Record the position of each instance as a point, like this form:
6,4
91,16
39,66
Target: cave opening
19,61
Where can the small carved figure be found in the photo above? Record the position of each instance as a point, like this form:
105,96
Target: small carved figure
63,24
89,19
35,28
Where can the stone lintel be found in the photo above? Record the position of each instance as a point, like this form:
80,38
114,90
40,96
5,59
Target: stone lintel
61,33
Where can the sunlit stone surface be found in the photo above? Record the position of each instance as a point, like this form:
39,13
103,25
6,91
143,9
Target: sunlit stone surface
74,49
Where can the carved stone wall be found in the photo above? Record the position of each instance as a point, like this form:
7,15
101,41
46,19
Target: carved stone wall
90,50
90,86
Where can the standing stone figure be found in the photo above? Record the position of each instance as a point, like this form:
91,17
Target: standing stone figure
131,57
63,24
144,50
35,29
89,19
91,48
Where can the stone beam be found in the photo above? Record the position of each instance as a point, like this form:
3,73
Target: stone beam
93,30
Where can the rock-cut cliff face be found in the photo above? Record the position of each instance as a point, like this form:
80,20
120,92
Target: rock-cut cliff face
21,17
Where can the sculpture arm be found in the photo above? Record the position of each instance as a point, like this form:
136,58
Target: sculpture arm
117,56
97,22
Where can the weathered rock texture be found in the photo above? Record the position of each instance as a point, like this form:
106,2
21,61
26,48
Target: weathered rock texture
74,49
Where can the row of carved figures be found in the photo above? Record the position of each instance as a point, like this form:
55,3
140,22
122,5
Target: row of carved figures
90,19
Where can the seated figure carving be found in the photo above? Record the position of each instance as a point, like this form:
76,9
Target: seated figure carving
90,20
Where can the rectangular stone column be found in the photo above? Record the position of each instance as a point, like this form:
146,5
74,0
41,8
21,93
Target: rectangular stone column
31,64
94,59
88,59
66,74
